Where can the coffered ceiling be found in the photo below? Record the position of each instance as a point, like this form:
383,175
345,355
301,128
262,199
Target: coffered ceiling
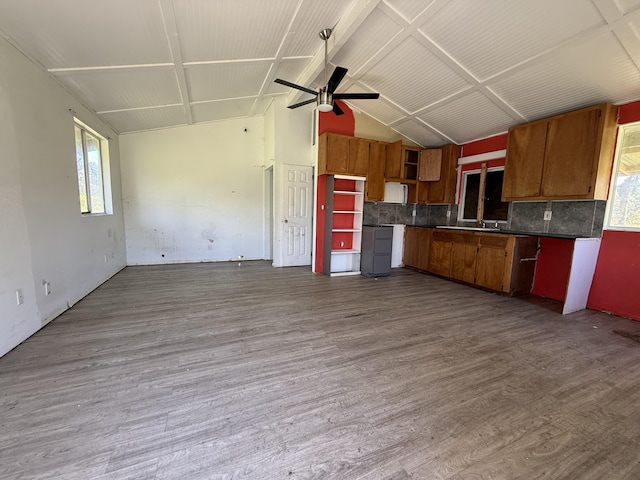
447,70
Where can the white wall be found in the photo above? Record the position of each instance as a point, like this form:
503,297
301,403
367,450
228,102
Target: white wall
43,236
195,193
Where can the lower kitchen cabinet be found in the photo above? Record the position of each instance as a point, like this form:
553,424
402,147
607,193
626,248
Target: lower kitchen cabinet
416,247
495,261
376,250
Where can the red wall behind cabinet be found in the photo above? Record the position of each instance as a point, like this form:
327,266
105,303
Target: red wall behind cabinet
343,124
552,268
616,283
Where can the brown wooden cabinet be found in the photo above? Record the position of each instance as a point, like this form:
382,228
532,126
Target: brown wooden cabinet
430,165
358,162
444,190
500,262
333,154
374,187
393,163
416,247
568,156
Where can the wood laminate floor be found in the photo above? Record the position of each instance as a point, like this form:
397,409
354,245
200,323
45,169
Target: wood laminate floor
228,371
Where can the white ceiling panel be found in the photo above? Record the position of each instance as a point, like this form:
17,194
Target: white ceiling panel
471,116
231,29
413,77
124,88
210,111
572,77
228,80
288,70
261,105
490,37
74,33
146,119
311,18
420,134
409,9
379,109
627,6
374,33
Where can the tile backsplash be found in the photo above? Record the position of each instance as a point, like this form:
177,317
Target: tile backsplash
583,218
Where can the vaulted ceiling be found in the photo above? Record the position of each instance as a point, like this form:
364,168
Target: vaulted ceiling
447,70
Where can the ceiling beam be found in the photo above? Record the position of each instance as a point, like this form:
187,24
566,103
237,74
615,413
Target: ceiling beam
347,25
171,30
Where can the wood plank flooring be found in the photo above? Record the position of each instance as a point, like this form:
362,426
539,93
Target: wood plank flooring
243,371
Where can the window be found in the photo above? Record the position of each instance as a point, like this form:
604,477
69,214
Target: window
624,204
89,161
494,207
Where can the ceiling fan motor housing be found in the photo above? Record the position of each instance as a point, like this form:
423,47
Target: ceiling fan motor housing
325,101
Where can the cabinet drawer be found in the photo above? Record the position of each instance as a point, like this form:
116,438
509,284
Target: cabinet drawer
384,232
382,246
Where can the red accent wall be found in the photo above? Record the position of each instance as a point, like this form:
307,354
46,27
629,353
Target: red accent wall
617,277
552,268
343,124
491,144
629,112
616,282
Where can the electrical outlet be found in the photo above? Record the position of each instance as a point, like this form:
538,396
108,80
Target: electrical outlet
19,297
547,214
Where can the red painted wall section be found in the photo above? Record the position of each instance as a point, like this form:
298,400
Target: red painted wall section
629,112
552,268
320,222
486,145
617,276
343,124
616,283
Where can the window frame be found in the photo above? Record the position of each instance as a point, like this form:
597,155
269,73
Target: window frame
105,181
463,193
614,178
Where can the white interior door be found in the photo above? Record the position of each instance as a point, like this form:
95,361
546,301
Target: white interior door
294,216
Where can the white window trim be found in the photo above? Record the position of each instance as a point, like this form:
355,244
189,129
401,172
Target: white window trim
614,178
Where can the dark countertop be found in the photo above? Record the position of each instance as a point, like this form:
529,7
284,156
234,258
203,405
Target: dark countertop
511,232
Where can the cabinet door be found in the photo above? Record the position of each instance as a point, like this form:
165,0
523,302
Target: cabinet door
430,165
570,154
491,260
525,159
444,190
411,254
393,164
424,243
463,261
440,256
374,190
358,162
337,153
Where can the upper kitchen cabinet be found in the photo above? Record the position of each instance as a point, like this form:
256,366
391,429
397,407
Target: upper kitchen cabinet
443,190
393,163
568,156
333,154
374,187
358,163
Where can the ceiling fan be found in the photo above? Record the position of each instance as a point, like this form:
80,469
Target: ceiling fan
326,95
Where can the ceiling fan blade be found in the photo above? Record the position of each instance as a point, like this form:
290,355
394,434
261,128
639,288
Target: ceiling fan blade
356,96
293,85
306,102
336,109
336,77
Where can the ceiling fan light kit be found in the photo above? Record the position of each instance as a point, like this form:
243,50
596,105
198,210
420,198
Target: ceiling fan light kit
326,95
